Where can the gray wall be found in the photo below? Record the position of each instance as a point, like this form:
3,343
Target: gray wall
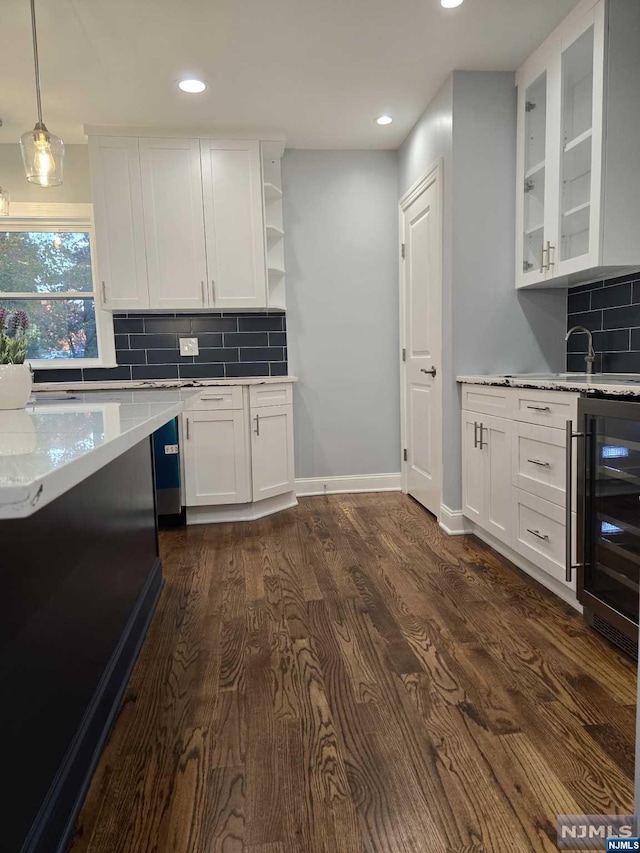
341,225
76,186
487,326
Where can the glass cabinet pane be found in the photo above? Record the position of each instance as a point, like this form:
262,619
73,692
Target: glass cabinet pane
534,173
577,129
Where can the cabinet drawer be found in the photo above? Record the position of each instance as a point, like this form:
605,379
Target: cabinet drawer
539,462
539,533
489,400
217,398
270,395
550,408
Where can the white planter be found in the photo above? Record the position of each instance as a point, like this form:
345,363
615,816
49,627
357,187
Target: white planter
15,386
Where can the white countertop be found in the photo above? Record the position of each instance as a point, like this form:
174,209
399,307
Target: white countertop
54,444
609,384
160,383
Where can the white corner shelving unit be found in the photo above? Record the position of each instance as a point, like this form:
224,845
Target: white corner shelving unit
273,223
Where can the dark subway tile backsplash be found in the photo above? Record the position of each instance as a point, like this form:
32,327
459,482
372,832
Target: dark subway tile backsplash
232,345
611,310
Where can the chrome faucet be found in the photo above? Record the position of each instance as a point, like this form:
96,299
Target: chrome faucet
590,357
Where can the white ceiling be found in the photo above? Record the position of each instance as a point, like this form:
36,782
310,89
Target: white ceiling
319,72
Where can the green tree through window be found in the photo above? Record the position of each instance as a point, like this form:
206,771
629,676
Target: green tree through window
47,266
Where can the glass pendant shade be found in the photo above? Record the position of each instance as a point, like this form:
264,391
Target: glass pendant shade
43,156
4,202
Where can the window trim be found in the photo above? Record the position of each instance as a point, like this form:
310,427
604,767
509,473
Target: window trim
44,216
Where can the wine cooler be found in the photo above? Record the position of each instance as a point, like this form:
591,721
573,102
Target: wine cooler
608,540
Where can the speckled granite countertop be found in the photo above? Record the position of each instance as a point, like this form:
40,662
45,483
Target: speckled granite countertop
608,384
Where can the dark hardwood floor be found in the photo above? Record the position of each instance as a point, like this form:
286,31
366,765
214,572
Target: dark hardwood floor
345,677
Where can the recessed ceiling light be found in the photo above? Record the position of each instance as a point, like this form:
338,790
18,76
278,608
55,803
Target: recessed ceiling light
192,86
384,120
451,4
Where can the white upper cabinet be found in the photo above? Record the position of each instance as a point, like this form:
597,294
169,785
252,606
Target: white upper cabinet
174,222
578,178
232,189
117,206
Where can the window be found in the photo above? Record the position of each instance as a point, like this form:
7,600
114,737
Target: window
46,269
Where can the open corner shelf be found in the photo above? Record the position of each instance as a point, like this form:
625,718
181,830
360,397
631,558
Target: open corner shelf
274,233
272,192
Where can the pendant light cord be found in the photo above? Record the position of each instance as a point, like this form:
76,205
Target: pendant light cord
35,59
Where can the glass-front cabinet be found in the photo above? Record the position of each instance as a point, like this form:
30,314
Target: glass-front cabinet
560,151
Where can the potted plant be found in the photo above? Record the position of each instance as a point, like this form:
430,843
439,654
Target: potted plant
15,376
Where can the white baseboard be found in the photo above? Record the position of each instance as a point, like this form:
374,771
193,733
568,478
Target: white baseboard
557,587
453,522
240,512
306,486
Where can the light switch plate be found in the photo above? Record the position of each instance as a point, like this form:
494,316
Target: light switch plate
189,346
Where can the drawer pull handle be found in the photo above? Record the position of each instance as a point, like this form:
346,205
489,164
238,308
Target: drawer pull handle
538,535
212,399
540,408
539,463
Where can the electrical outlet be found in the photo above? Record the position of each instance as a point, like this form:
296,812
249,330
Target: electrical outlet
189,346
171,450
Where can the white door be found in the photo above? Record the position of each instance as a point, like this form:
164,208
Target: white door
216,467
174,222
473,469
272,451
232,187
117,207
422,289
495,440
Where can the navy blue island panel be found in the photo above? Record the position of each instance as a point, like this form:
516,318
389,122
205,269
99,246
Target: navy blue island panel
80,579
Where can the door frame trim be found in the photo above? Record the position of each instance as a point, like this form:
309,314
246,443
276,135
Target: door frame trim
433,175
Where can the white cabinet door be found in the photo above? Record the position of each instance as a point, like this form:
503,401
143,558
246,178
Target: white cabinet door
486,473
174,222
272,451
472,469
216,469
117,206
495,436
580,148
232,188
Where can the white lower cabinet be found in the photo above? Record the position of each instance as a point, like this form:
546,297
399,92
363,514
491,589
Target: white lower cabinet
514,475
238,456
487,473
216,458
271,451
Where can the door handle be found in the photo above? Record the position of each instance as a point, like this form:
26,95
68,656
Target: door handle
257,430
431,372
544,266
475,434
213,290
550,263
202,292
482,444
539,463
538,535
569,567
104,293
187,424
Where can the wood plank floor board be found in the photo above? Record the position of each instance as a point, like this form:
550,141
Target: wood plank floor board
344,677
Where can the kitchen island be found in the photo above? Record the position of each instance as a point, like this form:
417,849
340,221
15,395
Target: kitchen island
81,576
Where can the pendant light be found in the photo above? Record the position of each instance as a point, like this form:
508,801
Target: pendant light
4,202
42,152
